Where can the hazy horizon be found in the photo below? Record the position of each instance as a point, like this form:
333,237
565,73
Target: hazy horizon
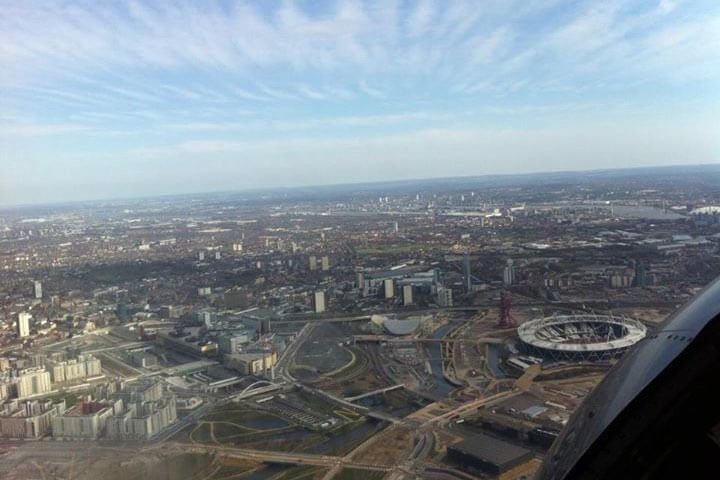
376,184
128,99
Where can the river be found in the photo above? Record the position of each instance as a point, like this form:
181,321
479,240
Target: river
443,387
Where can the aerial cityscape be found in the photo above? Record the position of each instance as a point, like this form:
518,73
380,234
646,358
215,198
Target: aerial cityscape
422,329
359,239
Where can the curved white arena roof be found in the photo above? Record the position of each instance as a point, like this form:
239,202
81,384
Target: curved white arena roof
582,333
402,327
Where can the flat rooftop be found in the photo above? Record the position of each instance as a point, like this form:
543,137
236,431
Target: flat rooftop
491,449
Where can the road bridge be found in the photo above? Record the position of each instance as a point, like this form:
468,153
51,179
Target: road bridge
375,392
472,406
124,346
288,356
356,408
213,387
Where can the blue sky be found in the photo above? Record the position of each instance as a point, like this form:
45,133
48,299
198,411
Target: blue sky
125,98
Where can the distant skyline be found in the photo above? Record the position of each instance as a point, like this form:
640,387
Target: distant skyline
122,99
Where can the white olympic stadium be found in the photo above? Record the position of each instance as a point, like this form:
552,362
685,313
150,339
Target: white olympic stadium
583,336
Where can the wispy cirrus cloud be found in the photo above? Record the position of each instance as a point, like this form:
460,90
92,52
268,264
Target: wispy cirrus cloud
362,37
174,72
370,91
30,130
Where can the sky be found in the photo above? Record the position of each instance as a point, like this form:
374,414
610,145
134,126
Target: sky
103,99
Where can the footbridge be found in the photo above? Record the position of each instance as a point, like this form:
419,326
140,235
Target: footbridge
258,388
351,406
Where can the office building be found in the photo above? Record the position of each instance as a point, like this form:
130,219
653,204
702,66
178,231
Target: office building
189,342
407,295
444,296
23,324
641,276
206,316
389,288
256,363
467,272
509,273
319,301
312,262
143,359
360,279
5,389
233,343
620,279
37,289
171,311
325,262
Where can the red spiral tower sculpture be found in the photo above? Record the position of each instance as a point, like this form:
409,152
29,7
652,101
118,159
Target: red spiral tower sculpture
506,318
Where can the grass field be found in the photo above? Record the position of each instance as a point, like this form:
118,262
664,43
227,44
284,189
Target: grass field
246,418
355,474
302,473
186,466
237,425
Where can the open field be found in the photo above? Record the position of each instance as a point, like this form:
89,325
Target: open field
354,474
241,425
387,448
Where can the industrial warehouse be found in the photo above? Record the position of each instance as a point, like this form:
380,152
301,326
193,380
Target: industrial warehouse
488,454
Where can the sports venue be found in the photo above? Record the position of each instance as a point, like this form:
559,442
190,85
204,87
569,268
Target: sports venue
583,336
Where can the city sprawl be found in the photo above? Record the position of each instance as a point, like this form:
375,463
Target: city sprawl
434,329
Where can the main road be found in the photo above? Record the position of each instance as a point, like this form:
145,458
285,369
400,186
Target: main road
582,304
288,458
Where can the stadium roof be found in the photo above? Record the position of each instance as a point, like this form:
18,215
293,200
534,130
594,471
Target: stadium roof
401,327
528,333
